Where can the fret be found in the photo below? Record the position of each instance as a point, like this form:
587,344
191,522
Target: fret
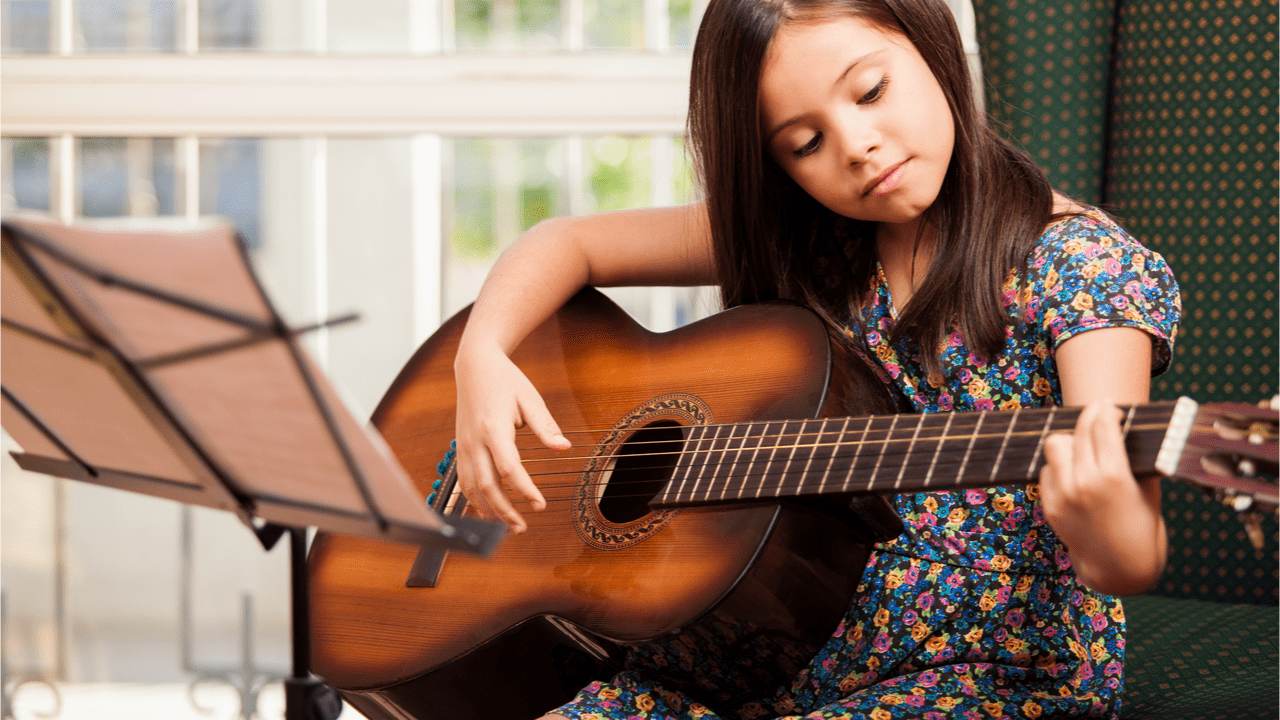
906,457
995,467
950,450
977,429
888,435
706,462
714,461
857,452
942,438
1044,433
1128,421
674,493
798,468
723,474
754,454
813,449
835,446
795,445
728,474
764,474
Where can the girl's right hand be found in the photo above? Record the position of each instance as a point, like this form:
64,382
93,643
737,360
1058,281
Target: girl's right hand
494,400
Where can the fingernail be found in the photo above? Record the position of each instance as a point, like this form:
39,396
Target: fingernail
560,440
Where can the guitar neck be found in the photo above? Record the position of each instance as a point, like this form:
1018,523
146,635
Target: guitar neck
885,454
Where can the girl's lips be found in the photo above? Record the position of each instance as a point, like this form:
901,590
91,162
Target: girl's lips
887,182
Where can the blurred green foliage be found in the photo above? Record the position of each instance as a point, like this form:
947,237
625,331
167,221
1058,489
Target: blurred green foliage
619,172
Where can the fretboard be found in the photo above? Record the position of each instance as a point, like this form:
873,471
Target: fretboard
883,454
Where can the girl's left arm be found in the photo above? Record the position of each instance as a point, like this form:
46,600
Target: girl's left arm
1109,521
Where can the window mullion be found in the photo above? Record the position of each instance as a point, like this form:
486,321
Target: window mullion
139,188
657,25
426,25
662,193
427,190
64,24
505,172
62,150
188,161
575,176
448,26
319,26
189,40
7,151
319,207
695,13
573,25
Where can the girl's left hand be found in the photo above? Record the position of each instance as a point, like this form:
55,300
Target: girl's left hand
1109,521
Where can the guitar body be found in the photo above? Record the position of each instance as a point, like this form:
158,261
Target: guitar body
594,585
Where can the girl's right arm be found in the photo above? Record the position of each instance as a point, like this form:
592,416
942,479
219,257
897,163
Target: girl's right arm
531,280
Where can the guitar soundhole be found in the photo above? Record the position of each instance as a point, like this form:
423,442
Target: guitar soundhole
643,464
627,469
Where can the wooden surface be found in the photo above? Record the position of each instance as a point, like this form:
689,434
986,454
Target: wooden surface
593,366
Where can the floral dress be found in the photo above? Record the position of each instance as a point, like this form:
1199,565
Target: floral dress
974,612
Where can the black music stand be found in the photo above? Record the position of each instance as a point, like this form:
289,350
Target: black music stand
154,362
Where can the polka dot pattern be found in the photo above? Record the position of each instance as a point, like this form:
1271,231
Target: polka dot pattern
1193,174
1045,74
1196,660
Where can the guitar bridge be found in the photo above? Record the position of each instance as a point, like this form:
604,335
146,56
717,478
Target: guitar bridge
430,560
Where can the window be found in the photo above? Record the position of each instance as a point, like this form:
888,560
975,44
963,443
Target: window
376,155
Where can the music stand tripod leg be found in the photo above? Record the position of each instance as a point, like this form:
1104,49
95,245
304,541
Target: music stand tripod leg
305,697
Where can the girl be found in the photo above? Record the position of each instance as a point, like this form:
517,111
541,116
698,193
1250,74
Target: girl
846,166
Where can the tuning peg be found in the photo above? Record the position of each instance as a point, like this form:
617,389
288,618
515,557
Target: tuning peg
1247,468
1247,511
1253,528
1258,432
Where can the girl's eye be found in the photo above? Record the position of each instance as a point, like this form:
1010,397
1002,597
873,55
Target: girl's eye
875,93
809,148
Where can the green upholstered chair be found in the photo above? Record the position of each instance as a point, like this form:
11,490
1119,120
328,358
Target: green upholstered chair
1164,113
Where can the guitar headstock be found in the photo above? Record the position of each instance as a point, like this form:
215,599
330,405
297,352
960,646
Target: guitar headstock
1230,450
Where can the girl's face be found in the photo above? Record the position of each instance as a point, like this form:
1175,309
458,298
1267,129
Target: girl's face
856,118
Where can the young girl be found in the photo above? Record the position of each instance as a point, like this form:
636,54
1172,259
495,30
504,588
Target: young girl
846,166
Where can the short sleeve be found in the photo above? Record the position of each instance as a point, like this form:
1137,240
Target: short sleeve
1089,274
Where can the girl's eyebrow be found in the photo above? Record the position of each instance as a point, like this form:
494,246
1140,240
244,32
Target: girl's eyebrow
793,120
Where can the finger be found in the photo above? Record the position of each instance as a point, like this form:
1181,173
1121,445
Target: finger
477,479
469,483
1107,441
494,496
536,417
1083,457
506,461
1058,451
1059,448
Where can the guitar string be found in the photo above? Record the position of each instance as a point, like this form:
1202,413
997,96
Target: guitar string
803,477
889,454
1065,422
778,492
1031,418
798,479
1159,410
783,446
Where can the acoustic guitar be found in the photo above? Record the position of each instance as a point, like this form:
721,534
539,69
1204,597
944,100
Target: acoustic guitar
706,502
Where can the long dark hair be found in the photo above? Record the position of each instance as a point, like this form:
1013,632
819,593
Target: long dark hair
769,235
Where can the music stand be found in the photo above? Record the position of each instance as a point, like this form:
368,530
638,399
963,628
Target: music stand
154,362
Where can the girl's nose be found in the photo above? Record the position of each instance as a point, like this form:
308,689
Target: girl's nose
859,141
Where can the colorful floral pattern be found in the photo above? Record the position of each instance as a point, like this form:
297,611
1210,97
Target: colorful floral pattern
974,612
